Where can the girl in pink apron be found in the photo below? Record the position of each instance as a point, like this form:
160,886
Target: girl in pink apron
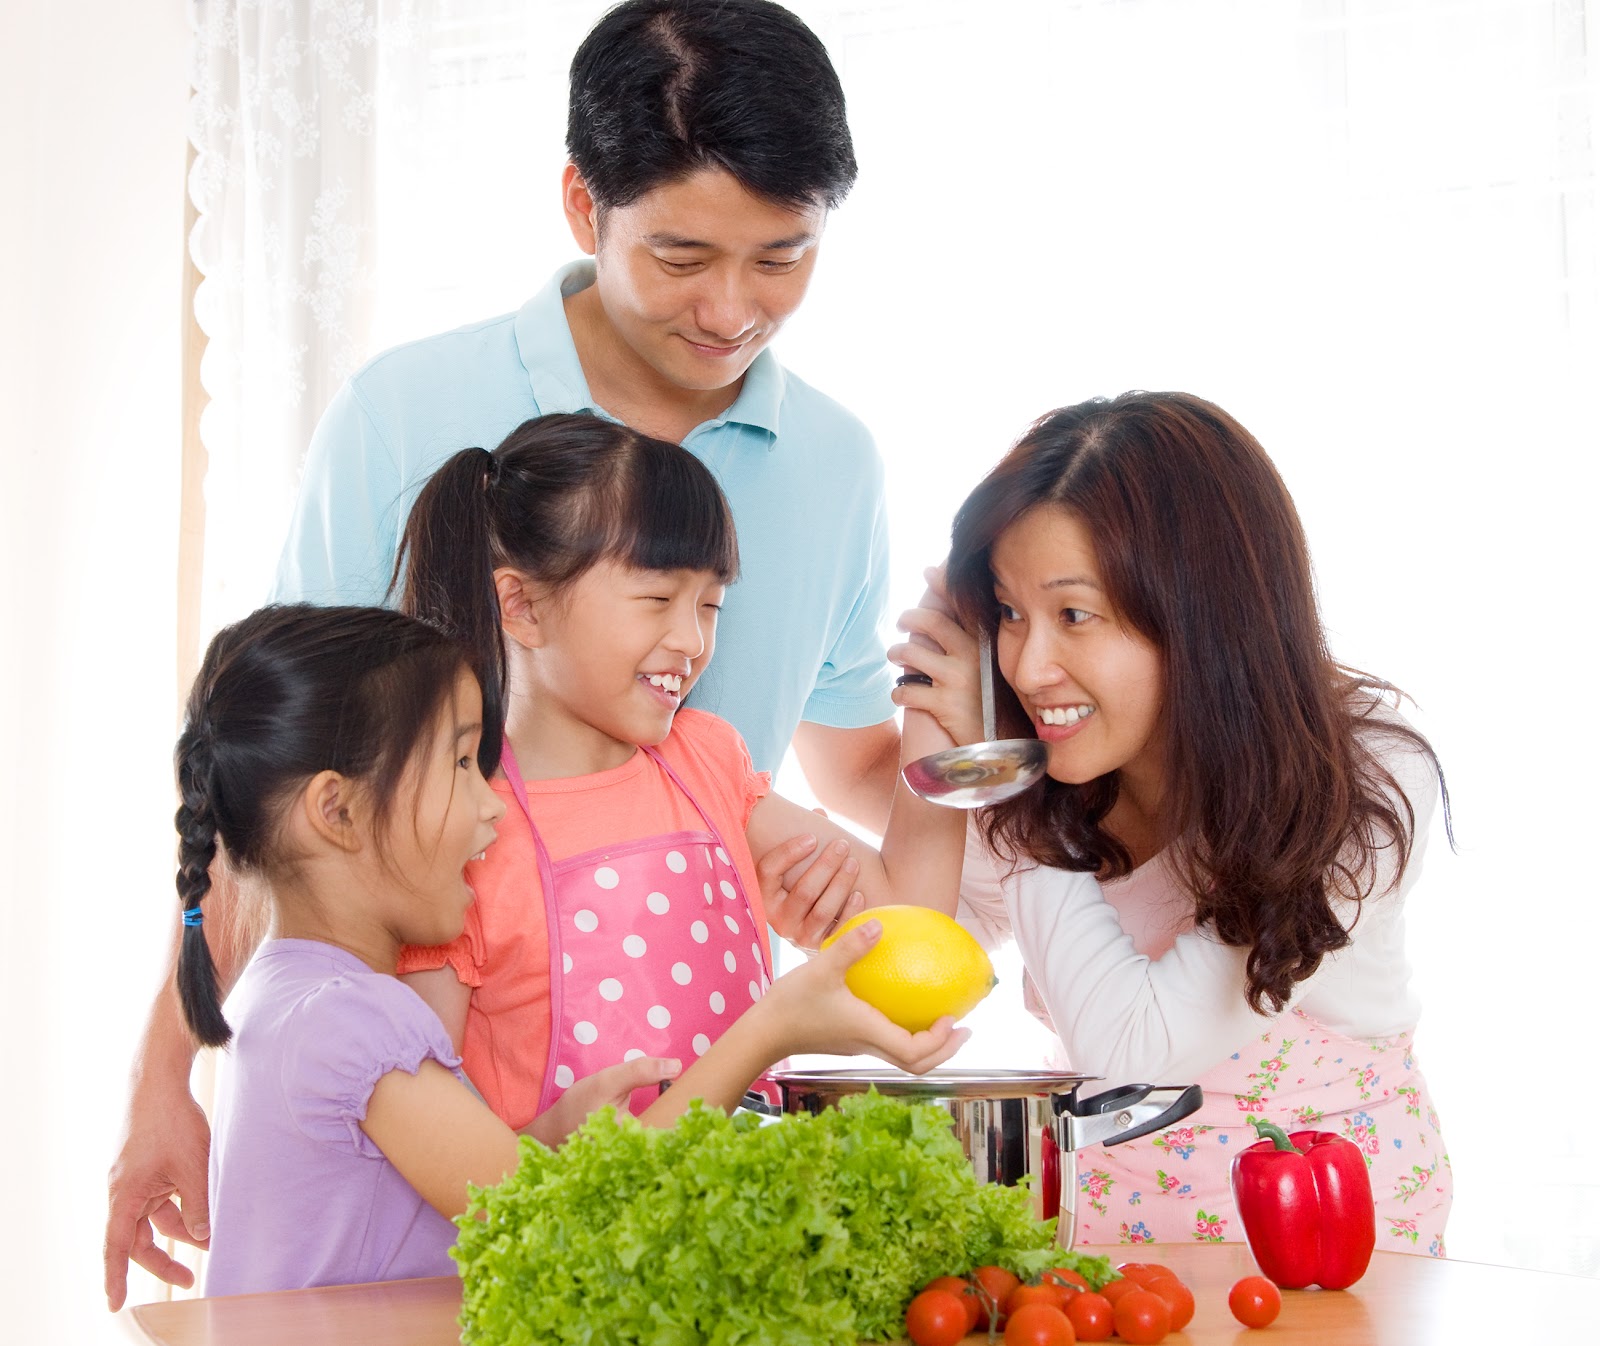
1210,885
621,915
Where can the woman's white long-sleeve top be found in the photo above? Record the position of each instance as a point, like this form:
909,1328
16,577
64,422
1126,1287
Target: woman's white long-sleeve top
1135,991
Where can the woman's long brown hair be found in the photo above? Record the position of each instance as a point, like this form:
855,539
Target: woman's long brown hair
1274,799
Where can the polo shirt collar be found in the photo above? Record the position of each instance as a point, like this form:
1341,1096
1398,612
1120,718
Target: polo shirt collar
544,341
555,375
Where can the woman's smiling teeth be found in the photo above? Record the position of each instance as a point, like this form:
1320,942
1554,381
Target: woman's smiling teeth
1064,714
668,682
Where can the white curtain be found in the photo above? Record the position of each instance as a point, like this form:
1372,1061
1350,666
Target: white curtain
1366,227
299,109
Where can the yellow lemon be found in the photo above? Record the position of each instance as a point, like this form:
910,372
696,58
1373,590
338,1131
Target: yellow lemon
924,966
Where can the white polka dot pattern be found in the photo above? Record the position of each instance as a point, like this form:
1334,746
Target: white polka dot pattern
647,970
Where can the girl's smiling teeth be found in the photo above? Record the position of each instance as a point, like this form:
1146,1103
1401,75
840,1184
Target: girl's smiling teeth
1067,715
667,682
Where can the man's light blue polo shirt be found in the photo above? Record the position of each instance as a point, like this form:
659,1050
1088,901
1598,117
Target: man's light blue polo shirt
798,636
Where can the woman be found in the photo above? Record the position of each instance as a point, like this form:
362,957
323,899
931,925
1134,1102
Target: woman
1211,883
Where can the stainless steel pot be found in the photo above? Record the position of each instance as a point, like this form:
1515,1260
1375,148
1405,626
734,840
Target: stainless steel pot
1013,1122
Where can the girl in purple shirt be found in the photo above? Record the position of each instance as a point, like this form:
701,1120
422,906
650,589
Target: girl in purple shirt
331,755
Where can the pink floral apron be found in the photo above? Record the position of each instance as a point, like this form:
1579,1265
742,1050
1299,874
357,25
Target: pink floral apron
654,949
1172,1186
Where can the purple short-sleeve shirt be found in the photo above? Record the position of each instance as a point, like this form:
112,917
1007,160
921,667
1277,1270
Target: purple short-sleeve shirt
299,1195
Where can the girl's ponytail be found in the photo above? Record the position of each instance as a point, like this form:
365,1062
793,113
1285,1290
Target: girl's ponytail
197,848
445,573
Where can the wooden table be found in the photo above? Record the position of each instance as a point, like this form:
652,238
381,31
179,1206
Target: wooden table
1403,1300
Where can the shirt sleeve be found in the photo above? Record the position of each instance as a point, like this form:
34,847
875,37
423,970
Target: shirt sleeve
345,1038
345,528
462,955
853,684
1128,1017
981,904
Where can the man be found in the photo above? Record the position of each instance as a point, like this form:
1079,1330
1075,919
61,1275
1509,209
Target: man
707,144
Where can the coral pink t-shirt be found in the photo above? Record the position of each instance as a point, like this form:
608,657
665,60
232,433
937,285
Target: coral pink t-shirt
503,952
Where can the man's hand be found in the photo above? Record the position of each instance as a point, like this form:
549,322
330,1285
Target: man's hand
806,898
165,1155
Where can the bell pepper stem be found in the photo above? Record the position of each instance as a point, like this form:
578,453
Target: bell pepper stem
1266,1130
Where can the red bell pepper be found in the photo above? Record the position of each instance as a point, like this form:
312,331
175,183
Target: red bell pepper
1306,1205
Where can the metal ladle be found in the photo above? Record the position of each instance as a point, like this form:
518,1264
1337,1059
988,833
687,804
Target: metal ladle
979,774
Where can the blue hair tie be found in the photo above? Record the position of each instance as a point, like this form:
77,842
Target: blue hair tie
191,916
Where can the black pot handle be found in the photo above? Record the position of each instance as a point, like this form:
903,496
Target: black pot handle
1185,1103
1127,1096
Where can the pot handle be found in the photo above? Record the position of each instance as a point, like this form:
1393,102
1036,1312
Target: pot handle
1120,1114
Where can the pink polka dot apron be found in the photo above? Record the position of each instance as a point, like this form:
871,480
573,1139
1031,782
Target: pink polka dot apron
1172,1187
654,949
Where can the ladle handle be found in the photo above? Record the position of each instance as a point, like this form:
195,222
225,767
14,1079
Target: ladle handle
986,684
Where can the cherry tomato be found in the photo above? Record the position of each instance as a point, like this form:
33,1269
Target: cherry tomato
1146,1272
1090,1316
1039,1325
1068,1277
936,1318
1043,1293
1179,1297
996,1285
962,1290
1141,1317
1114,1290
1254,1301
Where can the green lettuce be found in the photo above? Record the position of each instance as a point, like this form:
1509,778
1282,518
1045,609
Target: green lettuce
723,1231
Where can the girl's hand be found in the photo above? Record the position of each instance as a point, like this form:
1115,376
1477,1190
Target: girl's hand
952,663
812,1010
805,895
613,1085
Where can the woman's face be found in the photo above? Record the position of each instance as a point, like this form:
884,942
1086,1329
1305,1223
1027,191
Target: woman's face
1090,683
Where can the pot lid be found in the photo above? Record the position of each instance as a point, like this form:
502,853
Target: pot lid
936,1083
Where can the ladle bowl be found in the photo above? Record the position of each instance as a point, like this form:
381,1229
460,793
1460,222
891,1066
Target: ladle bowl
979,774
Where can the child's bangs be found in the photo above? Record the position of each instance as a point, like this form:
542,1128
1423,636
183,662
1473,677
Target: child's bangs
676,518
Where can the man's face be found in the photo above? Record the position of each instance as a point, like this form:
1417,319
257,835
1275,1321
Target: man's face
697,276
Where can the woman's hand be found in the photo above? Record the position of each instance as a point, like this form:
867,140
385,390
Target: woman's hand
812,1010
612,1086
944,652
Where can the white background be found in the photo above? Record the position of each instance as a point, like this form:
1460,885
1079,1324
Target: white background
1367,229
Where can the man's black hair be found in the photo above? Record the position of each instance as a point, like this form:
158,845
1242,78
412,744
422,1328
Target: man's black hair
663,88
